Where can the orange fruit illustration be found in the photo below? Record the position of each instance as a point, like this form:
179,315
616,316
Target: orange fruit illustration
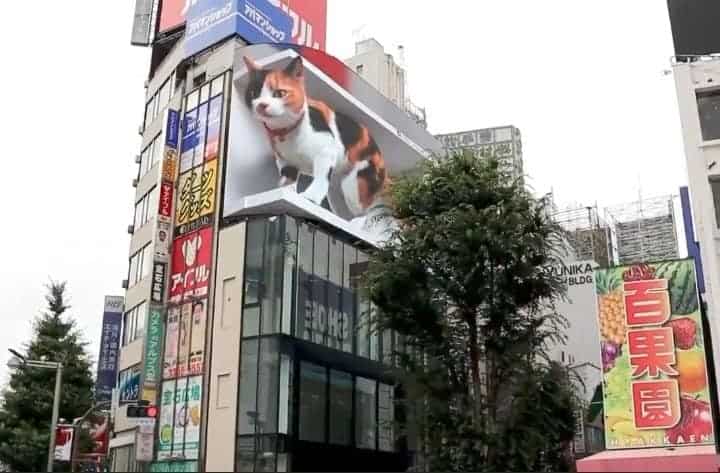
691,367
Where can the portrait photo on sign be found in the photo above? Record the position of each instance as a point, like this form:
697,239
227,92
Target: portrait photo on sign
292,126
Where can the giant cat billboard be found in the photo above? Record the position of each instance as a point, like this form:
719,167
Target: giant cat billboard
302,121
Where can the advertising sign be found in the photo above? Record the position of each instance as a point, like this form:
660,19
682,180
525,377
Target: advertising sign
142,23
158,283
64,434
153,354
172,14
167,413
323,309
129,384
97,425
166,200
191,258
174,467
256,21
282,137
196,193
197,331
181,417
109,346
171,343
144,440
183,355
655,384
192,425
162,241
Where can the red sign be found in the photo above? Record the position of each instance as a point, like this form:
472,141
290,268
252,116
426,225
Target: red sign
656,404
652,351
172,14
647,302
191,258
166,199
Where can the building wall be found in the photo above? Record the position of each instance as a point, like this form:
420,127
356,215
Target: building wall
702,158
380,70
647,239
225,352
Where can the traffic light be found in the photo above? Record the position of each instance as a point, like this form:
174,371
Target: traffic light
142,410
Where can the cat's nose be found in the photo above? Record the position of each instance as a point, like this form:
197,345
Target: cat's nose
262,107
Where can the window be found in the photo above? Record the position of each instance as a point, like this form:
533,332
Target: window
146,208
708,103
267,392
365,413
272,275
134,323
140,264
348,298
123,458
341,398
151,155
359,69
303,324
160,100
334,295
715,189
320,278
313,381
253,277
386,417
362,312
248,387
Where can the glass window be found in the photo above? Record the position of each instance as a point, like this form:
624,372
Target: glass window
313,380
253,277
267,393
365,413
289,280
363,310
133,272
715,189
164,94
157,150
149,111
348,298
386,417
341,398
140,314
272,276
217,86
304,317
245,454
247,412
708,103
320,273
147,260
285,397
334,295
388,347
374,335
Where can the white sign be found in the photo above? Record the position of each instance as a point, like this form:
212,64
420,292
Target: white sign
144,440
64,442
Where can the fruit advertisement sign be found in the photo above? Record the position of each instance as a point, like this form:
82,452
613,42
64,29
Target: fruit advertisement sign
655,384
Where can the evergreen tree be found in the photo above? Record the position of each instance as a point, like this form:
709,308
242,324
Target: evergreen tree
463,281
26,409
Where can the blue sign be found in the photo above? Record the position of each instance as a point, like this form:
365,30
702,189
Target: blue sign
256,21
129,384
171,134
693,247
109,346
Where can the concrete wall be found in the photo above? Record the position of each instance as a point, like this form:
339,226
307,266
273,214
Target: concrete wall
647,239
225,353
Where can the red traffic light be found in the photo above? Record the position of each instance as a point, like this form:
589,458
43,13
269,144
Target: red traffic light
142,411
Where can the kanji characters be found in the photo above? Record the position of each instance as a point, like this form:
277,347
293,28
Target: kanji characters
647,302
656,404
652,351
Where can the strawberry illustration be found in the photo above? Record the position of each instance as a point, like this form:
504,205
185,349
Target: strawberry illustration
684,330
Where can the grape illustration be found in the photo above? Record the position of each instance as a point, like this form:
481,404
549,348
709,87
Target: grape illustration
610,351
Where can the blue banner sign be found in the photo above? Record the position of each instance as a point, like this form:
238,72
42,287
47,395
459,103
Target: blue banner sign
109,347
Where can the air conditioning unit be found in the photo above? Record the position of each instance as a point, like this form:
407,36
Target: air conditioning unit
140,130
138,158
135,182
125,284
131,229
146,84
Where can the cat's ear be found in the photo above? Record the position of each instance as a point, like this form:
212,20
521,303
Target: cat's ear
251,65
295,68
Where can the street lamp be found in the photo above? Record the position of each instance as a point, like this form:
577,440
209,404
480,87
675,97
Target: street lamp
18,361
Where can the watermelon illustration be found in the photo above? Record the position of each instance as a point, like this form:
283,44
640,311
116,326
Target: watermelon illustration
681,284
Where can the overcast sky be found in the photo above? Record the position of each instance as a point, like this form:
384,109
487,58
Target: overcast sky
582,80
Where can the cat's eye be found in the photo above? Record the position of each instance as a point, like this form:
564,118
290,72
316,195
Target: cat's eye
279,93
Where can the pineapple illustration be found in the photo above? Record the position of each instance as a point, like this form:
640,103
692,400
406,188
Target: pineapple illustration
611,306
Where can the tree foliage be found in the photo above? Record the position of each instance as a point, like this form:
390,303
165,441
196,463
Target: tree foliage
26,409
463,281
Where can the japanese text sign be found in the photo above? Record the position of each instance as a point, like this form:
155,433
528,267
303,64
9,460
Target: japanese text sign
109,346
191,259
654,368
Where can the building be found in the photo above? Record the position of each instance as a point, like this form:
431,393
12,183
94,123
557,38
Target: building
389,77
243,322
503,142
697,101
587,233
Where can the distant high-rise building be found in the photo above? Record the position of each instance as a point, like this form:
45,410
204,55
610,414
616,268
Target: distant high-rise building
386,74
502,142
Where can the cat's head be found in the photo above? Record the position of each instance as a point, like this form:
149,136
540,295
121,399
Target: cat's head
276,97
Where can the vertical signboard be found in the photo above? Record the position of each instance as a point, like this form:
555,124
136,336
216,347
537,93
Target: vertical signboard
109,346
655,374
64,435
167,414
153,347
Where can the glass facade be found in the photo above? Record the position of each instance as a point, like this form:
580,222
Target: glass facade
310,365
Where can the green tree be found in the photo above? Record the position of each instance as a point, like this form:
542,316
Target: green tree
27,401
463,282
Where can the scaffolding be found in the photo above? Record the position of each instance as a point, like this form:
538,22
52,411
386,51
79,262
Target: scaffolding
640,231
645,230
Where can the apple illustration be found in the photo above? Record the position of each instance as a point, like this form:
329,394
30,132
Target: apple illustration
695,422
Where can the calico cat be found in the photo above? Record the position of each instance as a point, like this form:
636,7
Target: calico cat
309,137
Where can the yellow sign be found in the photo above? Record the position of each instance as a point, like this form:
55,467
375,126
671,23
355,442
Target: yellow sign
196,193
